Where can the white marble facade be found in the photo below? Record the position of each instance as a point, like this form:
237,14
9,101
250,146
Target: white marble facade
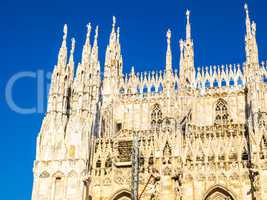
201,131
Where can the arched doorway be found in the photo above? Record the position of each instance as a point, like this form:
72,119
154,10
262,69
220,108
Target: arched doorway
122,195
218,193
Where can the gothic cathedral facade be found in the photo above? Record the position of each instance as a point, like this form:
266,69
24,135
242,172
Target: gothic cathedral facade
201,134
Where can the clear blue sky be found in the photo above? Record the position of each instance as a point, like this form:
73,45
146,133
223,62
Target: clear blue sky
31,33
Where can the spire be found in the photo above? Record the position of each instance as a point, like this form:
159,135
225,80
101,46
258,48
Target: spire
118,39
110,51
113,51
94,56
114,23
132,71
169,53
72,48
96,38
248,23
89,28
71,59
181,43
187,68
62,56
118,34
86,48
188,26
252,56
113,63
112,38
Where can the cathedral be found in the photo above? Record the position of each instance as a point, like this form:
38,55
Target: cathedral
187,134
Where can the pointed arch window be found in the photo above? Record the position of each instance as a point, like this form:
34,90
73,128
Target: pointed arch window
263,143
167,150
221,112
108,162
156,117
98,163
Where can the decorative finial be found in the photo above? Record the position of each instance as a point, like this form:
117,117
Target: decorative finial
132,70
181,42
188,15
71,59
168,36
168,53
89,28
112,38
253,27
96,33
246,9
246,6
72,45
114,22
65,31
188,26
62,55
96,37
248,22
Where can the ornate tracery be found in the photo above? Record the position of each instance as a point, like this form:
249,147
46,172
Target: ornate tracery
156,116
221,112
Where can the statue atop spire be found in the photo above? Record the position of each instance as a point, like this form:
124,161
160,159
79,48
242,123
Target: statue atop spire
96,37
169,53
187,67
65,30
113,22
248,23
62,56
188,16
113,62
168,35
253,28
94,55
250,40
72,46
188,26
87,48
70,66
132,71
246,9
89,28
113,35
